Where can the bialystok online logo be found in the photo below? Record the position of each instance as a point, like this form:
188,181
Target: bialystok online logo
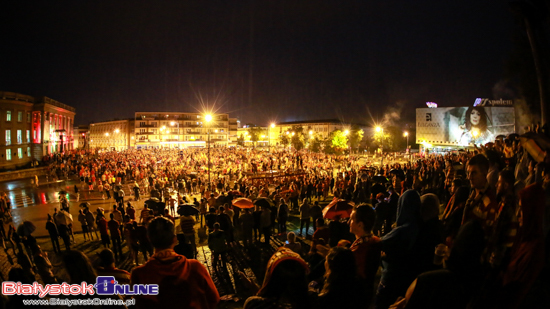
105,285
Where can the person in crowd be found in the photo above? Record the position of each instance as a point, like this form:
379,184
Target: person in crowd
145,246
342,287
79,269
304,216
187,224
107,267
265,223
84,225
217,242
482,204
211,218
284,284
62,221
145,214
54,234
456,286
383,215
452,215
183,247
173,273
398,267
430,233
315,212
103,227
527,257
282,217
91,221
130,235
247,224
43,265
114,228
292,244
366,248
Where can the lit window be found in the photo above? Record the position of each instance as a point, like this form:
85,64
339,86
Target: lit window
8,154
20,153
8,116
19,116
8,137
19,137
28,151
28,136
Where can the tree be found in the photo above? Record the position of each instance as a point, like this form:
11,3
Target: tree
339,140
255,135
297,137
240,140
355,137
315,144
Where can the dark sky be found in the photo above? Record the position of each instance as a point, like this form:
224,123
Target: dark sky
307,59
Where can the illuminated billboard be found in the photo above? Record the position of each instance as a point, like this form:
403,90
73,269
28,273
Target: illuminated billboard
463,126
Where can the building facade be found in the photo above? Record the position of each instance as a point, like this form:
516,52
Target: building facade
180,130
112,135
33,127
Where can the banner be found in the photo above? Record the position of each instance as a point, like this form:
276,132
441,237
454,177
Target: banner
463,126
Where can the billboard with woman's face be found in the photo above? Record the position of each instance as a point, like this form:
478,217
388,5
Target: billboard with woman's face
463,126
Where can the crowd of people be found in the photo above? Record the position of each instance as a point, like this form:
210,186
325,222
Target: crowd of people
463,229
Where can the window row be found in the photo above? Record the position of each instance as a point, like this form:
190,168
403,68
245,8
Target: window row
19,137
19,153
19,116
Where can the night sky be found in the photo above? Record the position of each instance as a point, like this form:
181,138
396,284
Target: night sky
260,61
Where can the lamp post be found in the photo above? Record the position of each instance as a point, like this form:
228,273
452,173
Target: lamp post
406,134
208,119
269,136
381,131
178,126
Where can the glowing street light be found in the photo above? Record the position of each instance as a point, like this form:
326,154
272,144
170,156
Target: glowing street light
346,132
379,129
406,134
208,119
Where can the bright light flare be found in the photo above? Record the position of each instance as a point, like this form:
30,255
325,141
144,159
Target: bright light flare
378,129
272,125
475,133
405,133
208,117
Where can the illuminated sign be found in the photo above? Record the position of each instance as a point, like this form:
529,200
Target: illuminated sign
431,104
487,102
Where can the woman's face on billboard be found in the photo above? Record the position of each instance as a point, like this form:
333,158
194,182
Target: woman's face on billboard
475,117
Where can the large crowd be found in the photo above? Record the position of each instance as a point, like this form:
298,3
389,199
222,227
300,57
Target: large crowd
465,229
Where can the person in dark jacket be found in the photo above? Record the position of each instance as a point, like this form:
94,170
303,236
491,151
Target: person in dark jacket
398,267
54,234
217,243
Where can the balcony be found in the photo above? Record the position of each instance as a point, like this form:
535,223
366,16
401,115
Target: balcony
147,126
144,133
193,132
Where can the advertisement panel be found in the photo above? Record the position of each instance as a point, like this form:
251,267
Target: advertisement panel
463,126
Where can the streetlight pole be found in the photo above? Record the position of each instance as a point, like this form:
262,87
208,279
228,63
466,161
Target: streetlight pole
406,134
269,136
208,118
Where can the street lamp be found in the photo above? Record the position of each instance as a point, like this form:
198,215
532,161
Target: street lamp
269,136
208,119
406,134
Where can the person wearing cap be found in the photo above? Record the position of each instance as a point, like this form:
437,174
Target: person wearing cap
181,281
